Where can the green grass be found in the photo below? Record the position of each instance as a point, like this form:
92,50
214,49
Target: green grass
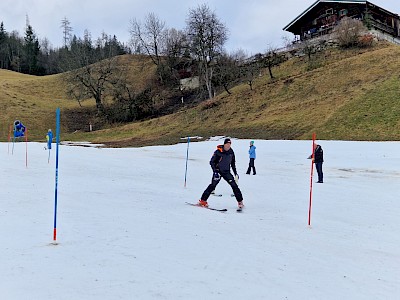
34,99
31,99
351,95
372,116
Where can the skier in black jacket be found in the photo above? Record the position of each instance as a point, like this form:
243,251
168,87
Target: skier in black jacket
318,160
221,162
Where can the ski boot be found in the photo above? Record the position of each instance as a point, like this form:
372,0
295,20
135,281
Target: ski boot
203,203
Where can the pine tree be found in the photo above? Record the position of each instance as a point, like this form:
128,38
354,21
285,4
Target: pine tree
31,52
3,47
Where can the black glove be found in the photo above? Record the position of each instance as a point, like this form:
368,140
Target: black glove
216,176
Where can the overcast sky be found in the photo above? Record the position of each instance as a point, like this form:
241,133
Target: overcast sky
253,25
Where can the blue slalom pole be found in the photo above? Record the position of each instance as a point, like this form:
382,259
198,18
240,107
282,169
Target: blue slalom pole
56,186
187,158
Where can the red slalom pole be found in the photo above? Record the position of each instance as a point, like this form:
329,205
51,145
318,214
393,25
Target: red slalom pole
311,177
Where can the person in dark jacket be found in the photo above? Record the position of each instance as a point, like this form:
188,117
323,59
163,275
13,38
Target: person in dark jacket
252,156
221,163
318,160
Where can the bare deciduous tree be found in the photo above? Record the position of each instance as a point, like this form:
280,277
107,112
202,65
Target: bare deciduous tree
176,55
271,59
308,48
207,36
67,29
227,69
95,81
251,69
150,36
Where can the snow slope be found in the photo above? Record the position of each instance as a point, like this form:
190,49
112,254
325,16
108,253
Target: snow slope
124,232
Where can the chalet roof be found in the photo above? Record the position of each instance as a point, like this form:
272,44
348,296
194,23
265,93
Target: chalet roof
361,2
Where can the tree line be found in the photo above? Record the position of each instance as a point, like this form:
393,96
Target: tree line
27,54
94,72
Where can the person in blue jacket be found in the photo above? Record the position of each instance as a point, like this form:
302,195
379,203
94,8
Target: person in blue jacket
252,156
19,129
49,138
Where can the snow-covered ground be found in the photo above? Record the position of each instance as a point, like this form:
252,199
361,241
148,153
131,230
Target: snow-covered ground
124,231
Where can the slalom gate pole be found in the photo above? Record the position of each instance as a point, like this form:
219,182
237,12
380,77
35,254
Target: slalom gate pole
187,158
9,139
26,148
56,183
311,177
48,159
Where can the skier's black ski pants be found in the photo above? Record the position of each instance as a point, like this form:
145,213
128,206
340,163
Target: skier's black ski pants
251,166
229,179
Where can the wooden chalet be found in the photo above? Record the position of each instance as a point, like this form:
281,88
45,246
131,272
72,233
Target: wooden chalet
322,16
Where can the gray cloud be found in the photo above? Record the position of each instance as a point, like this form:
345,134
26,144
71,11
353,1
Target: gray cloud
254,24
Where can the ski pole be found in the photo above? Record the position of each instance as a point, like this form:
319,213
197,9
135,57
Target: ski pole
187,158
187,152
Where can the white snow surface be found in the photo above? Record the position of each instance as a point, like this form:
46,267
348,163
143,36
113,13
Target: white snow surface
125,232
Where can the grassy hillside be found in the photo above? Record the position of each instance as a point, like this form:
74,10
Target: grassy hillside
354,95
34,99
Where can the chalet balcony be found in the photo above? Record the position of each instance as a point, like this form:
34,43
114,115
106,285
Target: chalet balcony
383,27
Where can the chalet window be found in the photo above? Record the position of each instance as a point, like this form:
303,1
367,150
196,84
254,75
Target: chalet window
343,12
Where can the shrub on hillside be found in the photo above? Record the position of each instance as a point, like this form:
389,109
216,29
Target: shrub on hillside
128,106
366,40
348,31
